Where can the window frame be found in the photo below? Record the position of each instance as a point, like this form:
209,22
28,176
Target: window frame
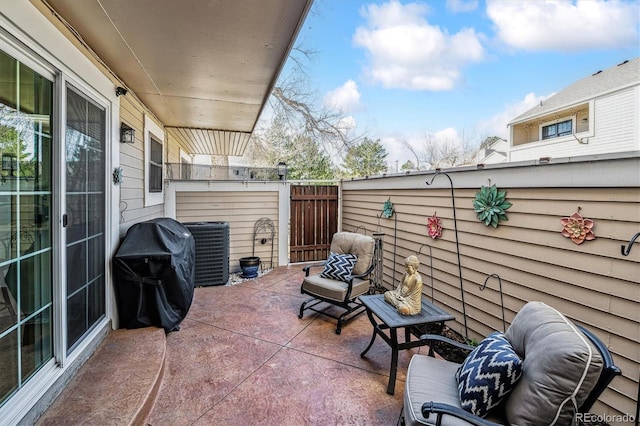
154,164
556,123
152,197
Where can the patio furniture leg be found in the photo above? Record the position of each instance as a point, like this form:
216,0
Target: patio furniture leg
373,336
394,361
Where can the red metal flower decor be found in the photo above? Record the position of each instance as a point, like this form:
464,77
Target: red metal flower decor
578,228
434,226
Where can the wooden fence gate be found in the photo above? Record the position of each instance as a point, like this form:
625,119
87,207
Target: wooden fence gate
314,220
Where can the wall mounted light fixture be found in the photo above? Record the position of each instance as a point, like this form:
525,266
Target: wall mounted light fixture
127,134
282,170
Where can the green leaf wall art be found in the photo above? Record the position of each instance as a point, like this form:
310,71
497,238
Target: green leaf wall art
387,208
490,205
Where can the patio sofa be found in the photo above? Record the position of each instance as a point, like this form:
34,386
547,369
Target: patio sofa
561,371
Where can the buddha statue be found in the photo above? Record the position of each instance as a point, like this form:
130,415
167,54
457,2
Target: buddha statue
407,298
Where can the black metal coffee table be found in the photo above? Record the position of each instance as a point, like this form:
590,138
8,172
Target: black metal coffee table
390,319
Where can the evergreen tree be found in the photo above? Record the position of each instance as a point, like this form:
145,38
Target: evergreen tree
305,160
367,158
304,157
408,165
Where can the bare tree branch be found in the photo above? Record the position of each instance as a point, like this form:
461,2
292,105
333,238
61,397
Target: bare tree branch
413,151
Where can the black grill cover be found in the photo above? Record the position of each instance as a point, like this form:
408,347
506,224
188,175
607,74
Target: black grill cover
154,270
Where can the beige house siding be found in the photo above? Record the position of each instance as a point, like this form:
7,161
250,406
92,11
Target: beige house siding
592,283
241,210
132,193
132,208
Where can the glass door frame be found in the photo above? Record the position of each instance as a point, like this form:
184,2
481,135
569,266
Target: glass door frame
94,85
63,82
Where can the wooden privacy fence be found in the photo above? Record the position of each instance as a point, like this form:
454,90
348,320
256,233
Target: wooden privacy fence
314,220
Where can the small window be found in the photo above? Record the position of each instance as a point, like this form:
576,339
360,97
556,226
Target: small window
153,163
155,166
557,129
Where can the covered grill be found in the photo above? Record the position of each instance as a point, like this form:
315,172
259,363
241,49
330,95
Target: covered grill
154,272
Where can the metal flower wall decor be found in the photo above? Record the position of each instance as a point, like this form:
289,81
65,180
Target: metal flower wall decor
387,208
434,226
490,205
578,228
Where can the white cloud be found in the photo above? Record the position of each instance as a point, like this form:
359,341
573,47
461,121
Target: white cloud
458,6
345,98
345,124
497,125
405,51
397,153
563,25
448,135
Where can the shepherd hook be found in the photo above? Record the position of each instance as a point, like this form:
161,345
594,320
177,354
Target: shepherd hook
627,250
455,226
483,286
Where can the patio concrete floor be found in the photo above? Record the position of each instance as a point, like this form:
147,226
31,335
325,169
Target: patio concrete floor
241,357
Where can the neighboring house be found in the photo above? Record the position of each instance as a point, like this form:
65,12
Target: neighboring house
599,114
76,77
494,153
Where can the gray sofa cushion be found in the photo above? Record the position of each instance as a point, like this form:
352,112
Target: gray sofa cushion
560,367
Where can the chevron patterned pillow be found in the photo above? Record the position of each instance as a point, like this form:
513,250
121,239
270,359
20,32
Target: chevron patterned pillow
339,266
488,374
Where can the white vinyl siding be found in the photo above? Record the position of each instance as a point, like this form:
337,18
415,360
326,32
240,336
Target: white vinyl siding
617,121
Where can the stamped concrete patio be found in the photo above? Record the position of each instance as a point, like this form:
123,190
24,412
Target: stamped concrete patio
242,356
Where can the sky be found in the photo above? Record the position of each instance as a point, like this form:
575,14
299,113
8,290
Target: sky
456,69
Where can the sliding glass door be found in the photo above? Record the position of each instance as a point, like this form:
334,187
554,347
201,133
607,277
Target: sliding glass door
43,315
85,215
26,330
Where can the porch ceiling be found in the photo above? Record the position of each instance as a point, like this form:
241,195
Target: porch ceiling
205,68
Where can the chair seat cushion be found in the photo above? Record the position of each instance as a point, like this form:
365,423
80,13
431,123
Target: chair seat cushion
488,374
430,379
433,379
339,266
332,289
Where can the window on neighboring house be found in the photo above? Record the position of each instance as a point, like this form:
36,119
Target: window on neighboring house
155,165
557,129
